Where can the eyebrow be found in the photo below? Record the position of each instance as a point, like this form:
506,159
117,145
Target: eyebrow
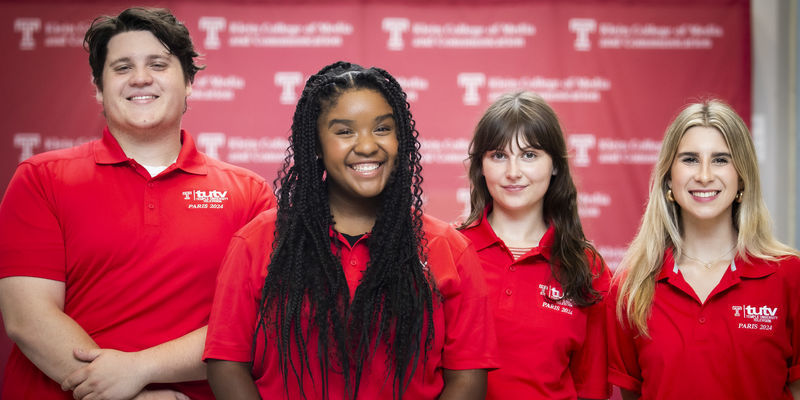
350,121
696,154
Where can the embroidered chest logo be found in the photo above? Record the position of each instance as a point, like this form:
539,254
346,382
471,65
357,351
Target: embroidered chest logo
553,299
755,317
205,198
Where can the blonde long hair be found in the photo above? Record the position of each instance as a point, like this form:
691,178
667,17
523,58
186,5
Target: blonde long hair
660,227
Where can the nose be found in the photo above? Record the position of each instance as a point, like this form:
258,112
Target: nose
141,77
512,169
365,144
704,173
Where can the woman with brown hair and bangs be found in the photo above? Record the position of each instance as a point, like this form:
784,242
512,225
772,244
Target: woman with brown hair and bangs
545,279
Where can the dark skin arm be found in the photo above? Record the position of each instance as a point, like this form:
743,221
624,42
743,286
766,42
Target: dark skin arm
466,384
231,380
628,395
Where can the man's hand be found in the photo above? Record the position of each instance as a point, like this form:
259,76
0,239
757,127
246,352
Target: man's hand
110,375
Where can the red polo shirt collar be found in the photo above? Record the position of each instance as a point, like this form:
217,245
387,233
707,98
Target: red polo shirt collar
338,236
108,151
484,237
753,268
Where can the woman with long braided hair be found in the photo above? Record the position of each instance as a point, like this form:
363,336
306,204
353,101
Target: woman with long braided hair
346,290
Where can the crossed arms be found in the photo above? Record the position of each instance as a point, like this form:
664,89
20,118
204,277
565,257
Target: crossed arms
34,318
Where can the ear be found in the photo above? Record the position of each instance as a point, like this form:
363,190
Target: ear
98,94
555,171
188,89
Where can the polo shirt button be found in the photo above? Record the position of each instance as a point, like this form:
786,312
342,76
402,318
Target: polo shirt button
151,206
150,184
512,268
702,320
353,262
509,292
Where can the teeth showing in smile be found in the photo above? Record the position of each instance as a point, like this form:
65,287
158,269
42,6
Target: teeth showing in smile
365,167
705,194
143,97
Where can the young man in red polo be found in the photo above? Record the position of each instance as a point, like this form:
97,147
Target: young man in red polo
109,251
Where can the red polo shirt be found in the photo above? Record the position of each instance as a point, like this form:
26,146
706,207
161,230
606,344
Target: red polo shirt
138,255
743,343
548,350
463,330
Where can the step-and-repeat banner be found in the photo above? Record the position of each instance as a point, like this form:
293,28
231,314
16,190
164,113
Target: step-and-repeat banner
616,72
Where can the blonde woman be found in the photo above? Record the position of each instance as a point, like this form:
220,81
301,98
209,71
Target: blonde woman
707,300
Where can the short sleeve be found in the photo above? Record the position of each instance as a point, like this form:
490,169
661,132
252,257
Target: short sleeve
589,365
470,338
623,364
234,312
264,198
31,239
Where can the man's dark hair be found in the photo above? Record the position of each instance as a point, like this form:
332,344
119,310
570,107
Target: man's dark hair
158,21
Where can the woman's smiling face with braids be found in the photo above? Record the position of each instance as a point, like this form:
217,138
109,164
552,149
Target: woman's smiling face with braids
358,140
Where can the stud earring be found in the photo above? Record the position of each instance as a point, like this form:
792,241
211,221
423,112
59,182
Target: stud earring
739,196
669,196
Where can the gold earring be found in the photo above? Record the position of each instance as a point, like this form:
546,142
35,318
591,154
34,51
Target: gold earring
739,196
669,196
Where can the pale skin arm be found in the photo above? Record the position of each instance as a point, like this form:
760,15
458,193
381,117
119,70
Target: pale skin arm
467,384
114,374
34,318
33,314
231,380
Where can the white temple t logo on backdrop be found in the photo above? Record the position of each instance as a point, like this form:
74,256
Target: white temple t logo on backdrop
471,81
27,26
582,27
212,26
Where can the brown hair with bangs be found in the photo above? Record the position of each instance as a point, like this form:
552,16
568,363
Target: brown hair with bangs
528,119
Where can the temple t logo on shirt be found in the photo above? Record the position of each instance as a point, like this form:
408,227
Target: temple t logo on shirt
550,292
554,299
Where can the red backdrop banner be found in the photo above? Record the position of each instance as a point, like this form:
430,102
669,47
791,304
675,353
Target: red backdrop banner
616,72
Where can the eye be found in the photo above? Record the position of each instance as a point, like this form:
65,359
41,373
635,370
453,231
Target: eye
720,160
528,155
689,159
159,66
343,131
122,68
383,130
497,155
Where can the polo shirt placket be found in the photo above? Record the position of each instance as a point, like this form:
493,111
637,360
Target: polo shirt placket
463,330
549,349
739,343
138,262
